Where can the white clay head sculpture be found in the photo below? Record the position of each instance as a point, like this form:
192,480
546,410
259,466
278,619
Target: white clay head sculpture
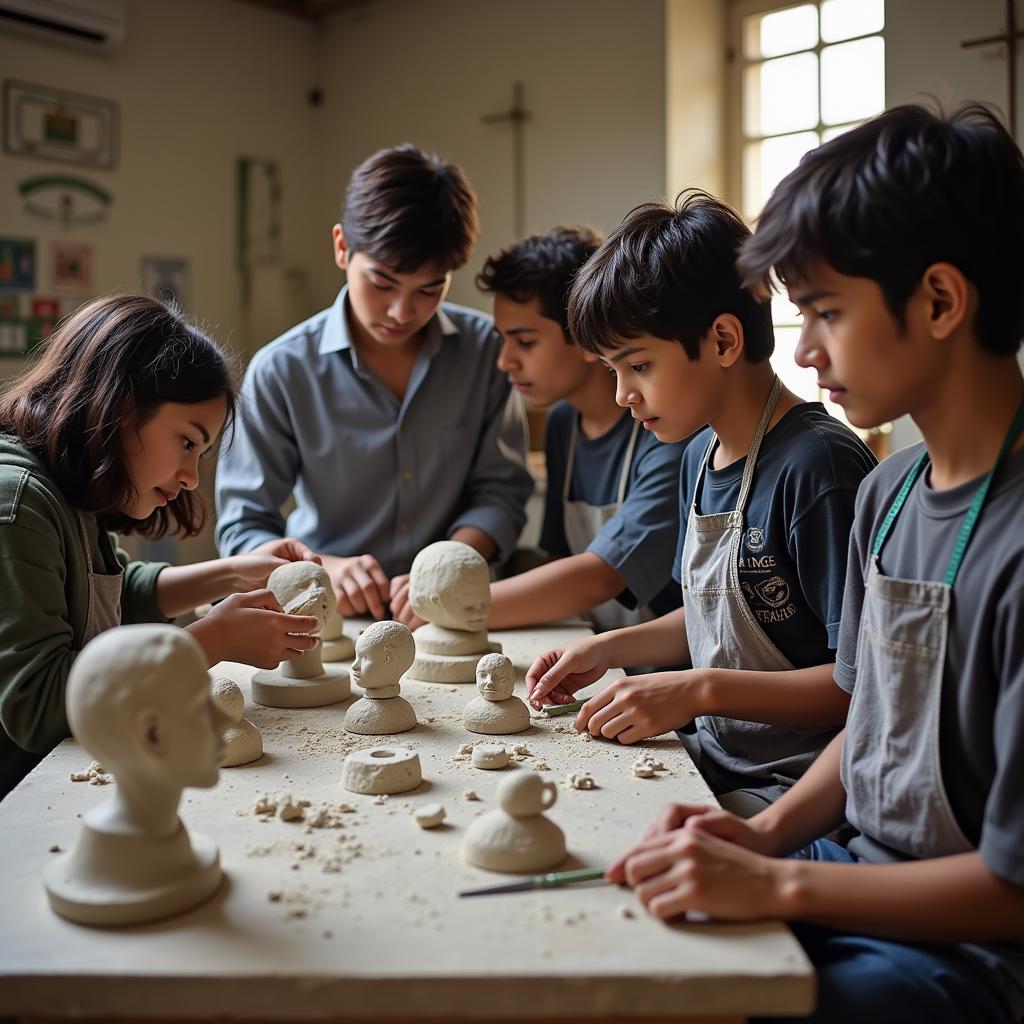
384,653
139,701
495,677
450,586
303,588
227,695
525,794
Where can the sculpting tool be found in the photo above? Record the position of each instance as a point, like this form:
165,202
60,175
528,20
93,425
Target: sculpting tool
551,710
552,880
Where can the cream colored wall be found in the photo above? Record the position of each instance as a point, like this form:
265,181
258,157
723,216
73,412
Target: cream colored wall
198,84
594,72
695,83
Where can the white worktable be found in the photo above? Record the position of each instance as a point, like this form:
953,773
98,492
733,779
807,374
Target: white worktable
363,922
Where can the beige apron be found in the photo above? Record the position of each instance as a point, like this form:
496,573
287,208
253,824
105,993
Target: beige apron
583,522
891,766
104,593
757,761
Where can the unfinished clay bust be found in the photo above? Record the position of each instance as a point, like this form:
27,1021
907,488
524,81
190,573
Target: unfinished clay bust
337,645
139,701
302,588
242,740
450,587
496,712
517,836
384,652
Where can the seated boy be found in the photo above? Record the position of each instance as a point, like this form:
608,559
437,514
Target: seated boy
382,413
611,515
901,243
766,504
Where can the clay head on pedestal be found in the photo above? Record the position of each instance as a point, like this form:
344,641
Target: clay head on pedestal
302,588
242,740
450,586
384,652
139,701
496,711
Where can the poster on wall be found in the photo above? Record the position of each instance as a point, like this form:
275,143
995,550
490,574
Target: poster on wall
68,200
17,264
166,279
52,124
72,266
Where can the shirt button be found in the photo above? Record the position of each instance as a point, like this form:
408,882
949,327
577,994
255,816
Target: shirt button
407,475
403,527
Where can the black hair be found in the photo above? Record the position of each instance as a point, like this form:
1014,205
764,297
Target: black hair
541,267
410,209
891,197
669,271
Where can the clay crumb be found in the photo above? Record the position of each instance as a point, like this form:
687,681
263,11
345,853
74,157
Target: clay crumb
274,896
521,750
466,748
95,774
470,794
625,911
646,766
55,848
291,810
380,799
580,780
430,815
541,766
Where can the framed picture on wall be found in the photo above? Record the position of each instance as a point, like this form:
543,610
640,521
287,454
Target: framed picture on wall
52,124
166,279
72,266
17,264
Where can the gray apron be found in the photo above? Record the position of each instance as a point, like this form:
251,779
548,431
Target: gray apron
104,594
891,766
757,761
582,523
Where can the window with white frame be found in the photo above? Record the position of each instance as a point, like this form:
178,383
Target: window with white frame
802,74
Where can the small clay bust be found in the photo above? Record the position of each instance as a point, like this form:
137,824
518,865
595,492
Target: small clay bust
449,587
384,652
302,588
139,701
517,836
242,740
496,712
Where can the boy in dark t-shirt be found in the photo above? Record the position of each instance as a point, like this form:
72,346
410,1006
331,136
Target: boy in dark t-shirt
662,304
900,242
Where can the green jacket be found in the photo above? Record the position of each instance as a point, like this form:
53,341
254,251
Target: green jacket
45,600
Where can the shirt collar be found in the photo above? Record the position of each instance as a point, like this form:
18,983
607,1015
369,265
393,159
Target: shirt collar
336,336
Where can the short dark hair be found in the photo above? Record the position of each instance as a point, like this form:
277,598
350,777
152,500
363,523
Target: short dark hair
115,357
889,198
410,209
541,267
669,271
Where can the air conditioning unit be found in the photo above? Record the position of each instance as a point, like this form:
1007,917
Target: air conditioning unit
97,25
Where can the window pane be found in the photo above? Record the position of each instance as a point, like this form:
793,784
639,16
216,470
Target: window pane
766,163
771,35
802,382
844,19
781,95
783,311
852,80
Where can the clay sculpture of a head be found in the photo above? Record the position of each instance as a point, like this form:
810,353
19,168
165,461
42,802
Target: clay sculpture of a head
449,585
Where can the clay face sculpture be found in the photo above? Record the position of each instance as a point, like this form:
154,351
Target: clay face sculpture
139,701
242,740
495,712
449,587
517,836
384,652
302,588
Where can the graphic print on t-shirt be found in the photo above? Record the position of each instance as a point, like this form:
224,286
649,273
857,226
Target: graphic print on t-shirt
767,592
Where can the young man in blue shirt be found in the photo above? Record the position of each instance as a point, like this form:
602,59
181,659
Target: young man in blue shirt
766,504
610,514
382,414
900,243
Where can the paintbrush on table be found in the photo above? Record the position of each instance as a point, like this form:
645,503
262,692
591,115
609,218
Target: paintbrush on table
552,880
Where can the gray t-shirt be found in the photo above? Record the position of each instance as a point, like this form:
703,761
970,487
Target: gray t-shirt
981,721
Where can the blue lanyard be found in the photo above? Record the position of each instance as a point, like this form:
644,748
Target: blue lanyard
967,529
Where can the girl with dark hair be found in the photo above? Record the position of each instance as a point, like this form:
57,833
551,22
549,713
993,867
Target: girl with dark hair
106,432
